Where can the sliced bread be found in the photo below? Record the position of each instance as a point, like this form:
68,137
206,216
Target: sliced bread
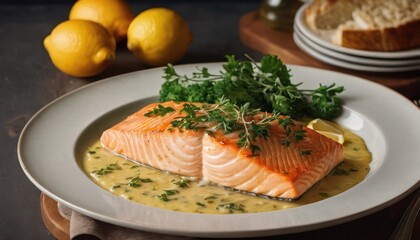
374,25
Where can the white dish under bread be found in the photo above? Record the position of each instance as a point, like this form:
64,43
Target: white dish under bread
323,38
356,59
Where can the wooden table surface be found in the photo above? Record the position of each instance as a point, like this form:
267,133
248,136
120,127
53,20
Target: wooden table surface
28,81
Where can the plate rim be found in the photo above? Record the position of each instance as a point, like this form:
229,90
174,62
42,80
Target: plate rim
195,232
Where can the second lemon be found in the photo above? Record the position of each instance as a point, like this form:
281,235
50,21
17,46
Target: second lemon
158,36
115,15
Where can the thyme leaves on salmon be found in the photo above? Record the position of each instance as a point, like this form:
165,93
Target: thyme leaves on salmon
266,85
159,111
229,117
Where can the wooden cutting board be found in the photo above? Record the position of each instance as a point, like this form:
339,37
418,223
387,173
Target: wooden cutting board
257,35
57,225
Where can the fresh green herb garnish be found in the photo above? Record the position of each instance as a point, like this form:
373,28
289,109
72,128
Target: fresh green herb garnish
233,206
107,169
325,104
292,135
135,182
171,192
159,111
183,183
229,117
265,85
210,197
164,196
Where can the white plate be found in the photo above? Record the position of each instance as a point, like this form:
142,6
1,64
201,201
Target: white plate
53,141
301,24
356,59
345,64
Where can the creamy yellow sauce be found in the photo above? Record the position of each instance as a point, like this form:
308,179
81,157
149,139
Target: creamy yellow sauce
156,188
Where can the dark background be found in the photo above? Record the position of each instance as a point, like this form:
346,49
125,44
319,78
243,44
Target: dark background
29,81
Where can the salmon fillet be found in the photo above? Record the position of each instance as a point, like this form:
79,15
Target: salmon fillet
278,170
148,141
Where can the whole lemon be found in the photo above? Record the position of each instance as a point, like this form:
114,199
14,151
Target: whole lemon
80,48
115,15
158,36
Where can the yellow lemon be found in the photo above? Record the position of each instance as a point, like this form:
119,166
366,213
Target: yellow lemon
158,36
80,48
327,129
115,15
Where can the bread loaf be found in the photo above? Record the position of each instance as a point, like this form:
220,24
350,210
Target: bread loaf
374,25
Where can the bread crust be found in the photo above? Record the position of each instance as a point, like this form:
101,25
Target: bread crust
398,38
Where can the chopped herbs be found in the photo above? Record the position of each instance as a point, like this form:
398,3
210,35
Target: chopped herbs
200,204
264,85
171,192
183,183
210,197
107,169
135,182
102,171
164,196
233,207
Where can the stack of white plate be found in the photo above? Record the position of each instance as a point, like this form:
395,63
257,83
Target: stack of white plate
370,61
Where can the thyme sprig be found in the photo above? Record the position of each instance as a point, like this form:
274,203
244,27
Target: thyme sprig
160,110
250,123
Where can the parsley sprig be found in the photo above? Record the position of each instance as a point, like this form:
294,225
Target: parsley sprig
264,85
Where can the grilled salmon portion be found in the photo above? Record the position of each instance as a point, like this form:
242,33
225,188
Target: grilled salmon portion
151,141
277,170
